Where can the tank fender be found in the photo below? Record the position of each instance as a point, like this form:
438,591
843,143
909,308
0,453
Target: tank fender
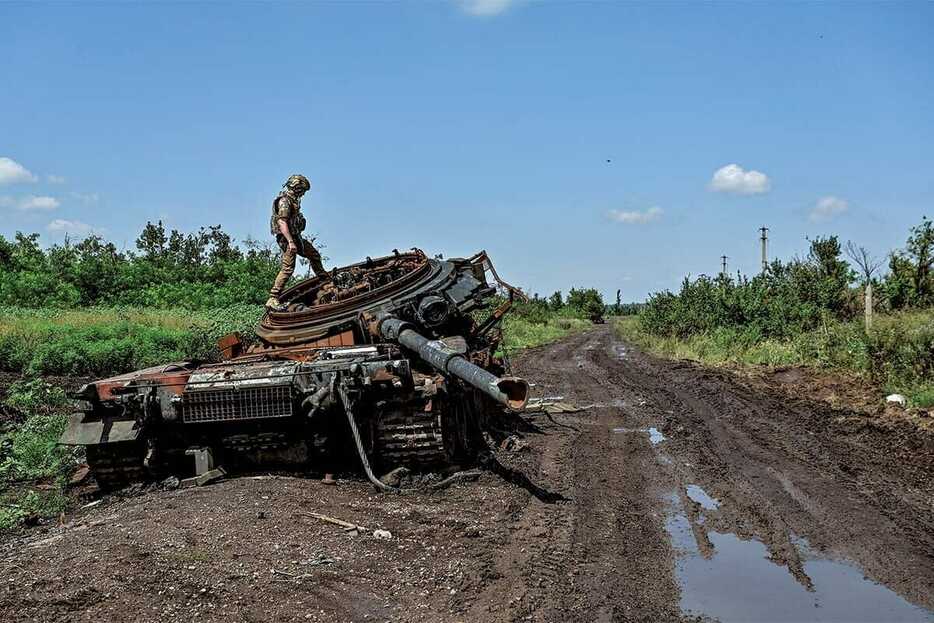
82,432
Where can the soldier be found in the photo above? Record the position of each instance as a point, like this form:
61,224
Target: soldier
287,224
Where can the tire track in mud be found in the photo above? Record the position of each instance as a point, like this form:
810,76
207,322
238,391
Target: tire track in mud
783,469
601,555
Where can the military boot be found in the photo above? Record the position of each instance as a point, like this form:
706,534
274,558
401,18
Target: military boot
273,304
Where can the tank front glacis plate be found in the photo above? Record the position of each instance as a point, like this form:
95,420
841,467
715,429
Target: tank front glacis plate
239,376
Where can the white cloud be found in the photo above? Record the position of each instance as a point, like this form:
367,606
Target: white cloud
75,228
33,202
485,8
734,179
55,179
635,217
86,197
12,172
827,208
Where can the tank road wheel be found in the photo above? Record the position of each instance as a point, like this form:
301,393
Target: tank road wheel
410,439
116,465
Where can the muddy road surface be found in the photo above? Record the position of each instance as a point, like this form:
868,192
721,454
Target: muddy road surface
678,494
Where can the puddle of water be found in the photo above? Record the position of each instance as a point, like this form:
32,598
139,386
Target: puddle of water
620,351
702,497
739,584
655,435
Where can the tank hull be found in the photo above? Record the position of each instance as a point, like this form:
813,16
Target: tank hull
321,389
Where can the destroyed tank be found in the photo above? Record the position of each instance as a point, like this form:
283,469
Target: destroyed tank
386,363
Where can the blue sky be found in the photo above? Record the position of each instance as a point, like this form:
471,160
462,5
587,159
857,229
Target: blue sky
615,145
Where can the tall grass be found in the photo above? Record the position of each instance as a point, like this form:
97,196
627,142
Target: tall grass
519,332
898,353
110,340
29,452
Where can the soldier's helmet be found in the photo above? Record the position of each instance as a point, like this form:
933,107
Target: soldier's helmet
297,183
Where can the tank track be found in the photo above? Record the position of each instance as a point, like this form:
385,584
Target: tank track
410,440
117,465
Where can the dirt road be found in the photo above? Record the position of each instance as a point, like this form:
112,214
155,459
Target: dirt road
679,494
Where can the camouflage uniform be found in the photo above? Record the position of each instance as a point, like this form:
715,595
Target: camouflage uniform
287,206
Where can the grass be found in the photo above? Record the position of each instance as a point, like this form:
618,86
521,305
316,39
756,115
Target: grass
519,333
30,453
111,340
898,353
105,341
17,507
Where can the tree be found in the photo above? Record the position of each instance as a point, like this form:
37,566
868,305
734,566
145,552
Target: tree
587,302
867,266
920,249
910,282
152,242
555,301
827,288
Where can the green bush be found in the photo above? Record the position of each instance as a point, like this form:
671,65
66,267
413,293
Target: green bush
201,270
898,353
30,450
15,508
782,302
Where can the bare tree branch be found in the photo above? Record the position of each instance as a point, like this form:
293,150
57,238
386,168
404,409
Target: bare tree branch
867,264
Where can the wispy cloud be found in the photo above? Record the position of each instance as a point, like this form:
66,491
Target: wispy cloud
12,172
87,198
827,208
55,179
636,217
32,202
75,228
485,8
734,179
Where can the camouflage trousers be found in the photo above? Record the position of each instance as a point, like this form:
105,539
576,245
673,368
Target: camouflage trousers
306,250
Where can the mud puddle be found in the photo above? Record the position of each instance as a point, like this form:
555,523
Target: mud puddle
737,582
700,496
655,435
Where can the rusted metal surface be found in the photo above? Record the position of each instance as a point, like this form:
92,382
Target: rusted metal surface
385,356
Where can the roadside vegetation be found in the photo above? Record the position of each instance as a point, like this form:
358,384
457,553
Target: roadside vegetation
33,467
540,320
808,311
110,340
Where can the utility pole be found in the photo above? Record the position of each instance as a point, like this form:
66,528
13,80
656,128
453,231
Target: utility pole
723,260
765,242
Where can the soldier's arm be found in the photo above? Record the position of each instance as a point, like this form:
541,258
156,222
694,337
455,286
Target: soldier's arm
282,215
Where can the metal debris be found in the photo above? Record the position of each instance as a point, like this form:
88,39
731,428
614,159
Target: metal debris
348,527
555,404
514,444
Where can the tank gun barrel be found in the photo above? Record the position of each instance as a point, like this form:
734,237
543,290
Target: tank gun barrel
513,392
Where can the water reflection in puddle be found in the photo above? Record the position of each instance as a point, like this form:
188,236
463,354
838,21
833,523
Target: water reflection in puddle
655,435
701,497
738,583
